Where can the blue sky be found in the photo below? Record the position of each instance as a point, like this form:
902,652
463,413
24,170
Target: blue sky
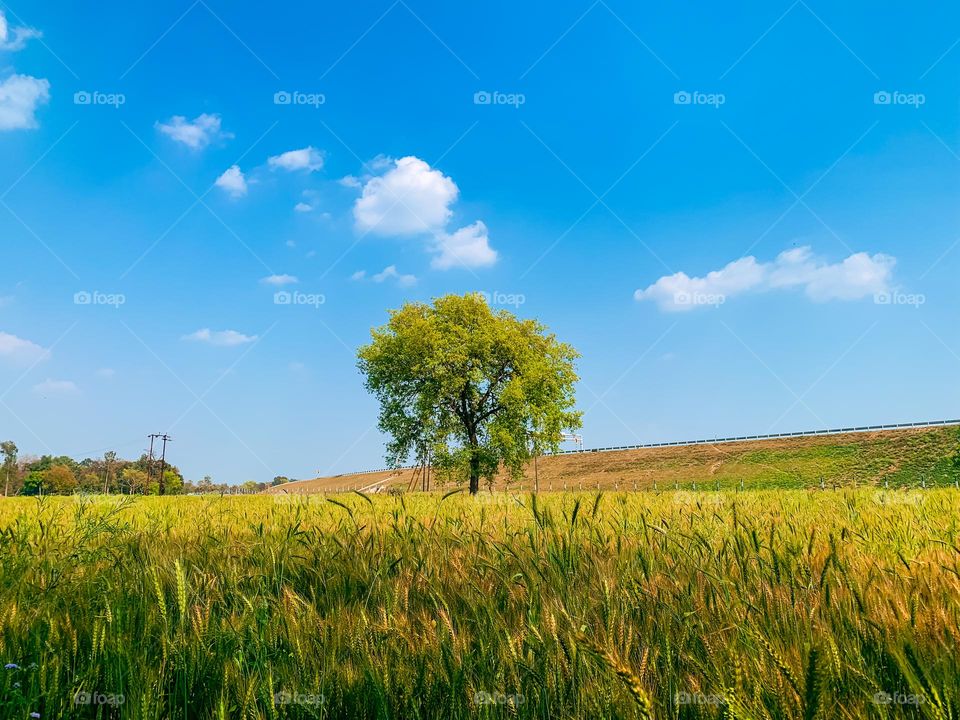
745,218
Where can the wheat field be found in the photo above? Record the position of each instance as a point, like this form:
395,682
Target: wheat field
765,604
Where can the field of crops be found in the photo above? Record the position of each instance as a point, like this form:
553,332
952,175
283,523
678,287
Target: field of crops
760,604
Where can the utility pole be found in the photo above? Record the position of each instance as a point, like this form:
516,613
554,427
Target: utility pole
150,459
163,458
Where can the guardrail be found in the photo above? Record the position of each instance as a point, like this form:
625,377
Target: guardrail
772,436
714,441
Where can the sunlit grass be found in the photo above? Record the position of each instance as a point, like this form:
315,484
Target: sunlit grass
674,604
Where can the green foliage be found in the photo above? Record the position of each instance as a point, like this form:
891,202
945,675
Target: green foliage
133,480
470,387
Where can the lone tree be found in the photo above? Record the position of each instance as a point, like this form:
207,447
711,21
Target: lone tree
469,387
9,451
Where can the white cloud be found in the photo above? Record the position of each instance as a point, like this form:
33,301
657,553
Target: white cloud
56,387
19,38
197,133
279,280
106,373
20,95
302,207
391,272
350,181
858,276
223,338
21,351
233,182
409,199
467,247
308,158
413,199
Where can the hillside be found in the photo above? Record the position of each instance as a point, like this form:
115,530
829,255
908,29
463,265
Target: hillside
899,457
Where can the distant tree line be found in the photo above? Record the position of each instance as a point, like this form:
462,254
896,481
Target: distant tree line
62,475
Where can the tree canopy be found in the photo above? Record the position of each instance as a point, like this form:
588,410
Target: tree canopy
471,387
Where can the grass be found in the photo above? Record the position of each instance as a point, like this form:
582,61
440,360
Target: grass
898,458
767,604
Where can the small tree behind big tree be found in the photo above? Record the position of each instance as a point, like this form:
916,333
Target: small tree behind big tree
470,387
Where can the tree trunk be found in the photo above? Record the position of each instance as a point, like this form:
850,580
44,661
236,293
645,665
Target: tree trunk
474,466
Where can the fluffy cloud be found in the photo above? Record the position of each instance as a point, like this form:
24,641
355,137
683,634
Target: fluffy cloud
13,39
409,199
413,199
279,280
19,350
858,276
308,158
390,272
223,338
302,207
56,387
197,133
20,95
233,182
467,247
